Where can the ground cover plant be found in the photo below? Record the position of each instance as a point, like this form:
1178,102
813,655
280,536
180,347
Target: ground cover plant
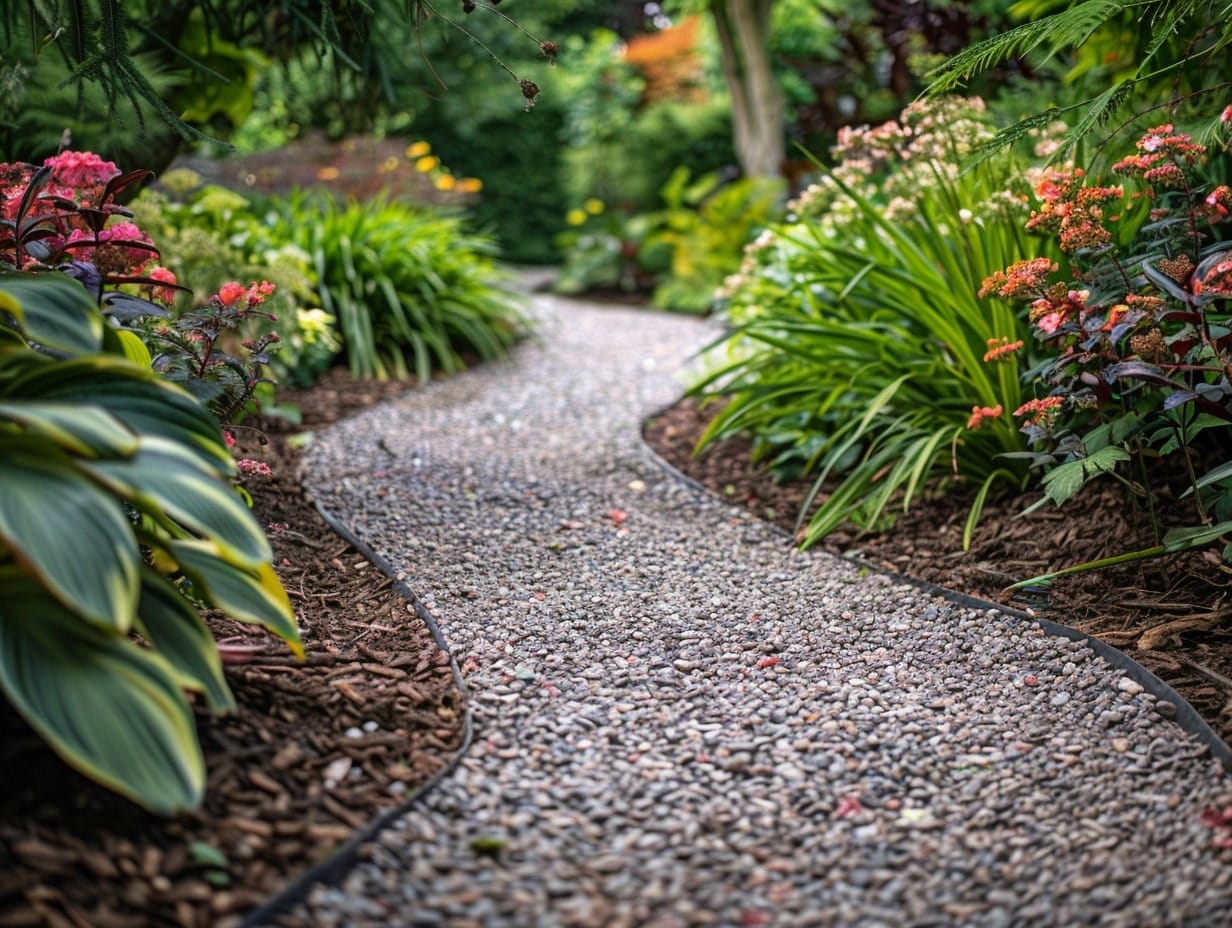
118,514
858,344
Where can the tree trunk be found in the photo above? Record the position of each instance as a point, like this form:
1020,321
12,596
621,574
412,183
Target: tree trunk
757,102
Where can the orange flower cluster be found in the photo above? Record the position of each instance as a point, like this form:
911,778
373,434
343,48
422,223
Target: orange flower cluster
1072,211
669,62
1019,278
1001,349
1036,411
980,413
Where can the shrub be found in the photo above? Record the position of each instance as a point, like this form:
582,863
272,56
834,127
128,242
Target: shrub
210,231
857,347
1136,331
117,513
412,290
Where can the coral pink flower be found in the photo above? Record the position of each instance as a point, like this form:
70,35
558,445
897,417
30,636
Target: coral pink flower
980,413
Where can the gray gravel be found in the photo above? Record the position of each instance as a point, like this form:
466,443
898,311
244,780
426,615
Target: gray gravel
680,721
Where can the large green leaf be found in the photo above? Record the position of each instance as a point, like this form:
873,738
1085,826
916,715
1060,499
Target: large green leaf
253,595
139,398
163,476
69,535
56,312
80,430
174,627
108,707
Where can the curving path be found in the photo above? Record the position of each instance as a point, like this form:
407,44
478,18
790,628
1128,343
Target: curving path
680,721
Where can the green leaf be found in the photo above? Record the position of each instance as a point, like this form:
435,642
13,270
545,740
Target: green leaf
1182,539
69,535
174,627
79,430
139,398
164,477
252,595
1063,482
56,312
109,708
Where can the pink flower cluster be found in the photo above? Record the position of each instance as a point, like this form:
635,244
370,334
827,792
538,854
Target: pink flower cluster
81,169
1162,153
1072,210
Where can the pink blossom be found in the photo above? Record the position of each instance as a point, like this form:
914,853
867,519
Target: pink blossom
81,169
1050,322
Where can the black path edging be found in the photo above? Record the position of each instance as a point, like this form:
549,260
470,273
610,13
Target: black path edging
1182,712
331,870
335,867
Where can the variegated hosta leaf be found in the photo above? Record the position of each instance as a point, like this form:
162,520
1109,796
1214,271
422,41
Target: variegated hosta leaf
56,312
69,535
137,397
109,708
252,595
80,430
174,627
164,477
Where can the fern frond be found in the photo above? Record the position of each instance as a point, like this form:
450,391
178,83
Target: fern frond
1068,28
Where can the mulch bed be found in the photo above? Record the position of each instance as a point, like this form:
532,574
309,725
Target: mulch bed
1173,616
314,752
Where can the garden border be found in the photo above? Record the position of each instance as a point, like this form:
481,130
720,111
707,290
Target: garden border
333,868
1184,714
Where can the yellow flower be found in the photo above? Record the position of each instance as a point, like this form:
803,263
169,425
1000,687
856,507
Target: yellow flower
426,164
593,206
470,185
446,182
575,217
328,173
417,150
389,164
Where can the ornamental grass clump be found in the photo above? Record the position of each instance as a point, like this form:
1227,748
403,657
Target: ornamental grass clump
119,521
1135,328
411,288
857,338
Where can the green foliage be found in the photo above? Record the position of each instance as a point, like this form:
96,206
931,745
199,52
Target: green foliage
208,235
520,160
1137,331
858,344
108,469
1123,53
701,234
410,287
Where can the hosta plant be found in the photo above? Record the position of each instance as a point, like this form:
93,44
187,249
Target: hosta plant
1137,330
119,522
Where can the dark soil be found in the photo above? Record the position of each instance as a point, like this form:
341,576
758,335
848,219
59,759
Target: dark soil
287,784
1174,616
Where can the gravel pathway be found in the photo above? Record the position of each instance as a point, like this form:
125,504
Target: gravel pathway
680,721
